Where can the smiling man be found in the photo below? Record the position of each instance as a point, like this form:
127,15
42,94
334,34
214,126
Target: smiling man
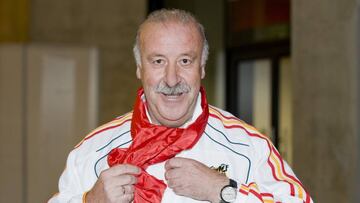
174,147
170,69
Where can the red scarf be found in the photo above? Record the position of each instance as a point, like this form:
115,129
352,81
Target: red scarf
153,144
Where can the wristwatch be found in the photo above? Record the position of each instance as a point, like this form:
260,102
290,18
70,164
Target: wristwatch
228,192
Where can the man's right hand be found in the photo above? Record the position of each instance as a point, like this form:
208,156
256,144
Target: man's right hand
115,184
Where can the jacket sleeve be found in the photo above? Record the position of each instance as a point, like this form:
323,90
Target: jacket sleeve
274,181
70,190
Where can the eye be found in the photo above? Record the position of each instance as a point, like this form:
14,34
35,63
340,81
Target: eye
185,62
158,62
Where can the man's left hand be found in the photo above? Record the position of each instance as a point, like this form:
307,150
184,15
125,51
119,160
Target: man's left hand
190,178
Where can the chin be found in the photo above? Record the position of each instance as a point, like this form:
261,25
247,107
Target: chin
173,120
172,124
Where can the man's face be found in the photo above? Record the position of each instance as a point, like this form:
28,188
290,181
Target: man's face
170,70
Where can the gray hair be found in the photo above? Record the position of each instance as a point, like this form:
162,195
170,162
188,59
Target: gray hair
166,15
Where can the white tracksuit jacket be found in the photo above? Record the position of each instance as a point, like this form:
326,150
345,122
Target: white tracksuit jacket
227,144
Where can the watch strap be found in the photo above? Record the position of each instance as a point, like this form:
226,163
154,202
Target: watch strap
233,183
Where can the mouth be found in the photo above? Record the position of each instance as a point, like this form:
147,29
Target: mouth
172,95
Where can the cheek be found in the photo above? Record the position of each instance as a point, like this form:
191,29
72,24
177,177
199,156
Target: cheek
193,78
150,79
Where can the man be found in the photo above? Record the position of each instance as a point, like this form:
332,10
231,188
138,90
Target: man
174,147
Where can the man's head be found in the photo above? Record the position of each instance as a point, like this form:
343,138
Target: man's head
171,51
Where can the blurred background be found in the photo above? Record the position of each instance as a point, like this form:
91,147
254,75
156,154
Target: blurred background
291,68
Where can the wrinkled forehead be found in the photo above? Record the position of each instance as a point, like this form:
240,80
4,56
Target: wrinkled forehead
161,29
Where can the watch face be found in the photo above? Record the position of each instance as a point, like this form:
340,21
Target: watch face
228,194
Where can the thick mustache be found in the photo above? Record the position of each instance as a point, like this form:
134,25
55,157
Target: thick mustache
175,90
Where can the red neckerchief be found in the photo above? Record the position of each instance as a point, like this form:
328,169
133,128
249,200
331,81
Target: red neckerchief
153,144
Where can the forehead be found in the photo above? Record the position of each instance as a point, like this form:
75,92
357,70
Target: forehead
155,36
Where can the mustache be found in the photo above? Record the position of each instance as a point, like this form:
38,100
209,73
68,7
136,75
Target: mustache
179,88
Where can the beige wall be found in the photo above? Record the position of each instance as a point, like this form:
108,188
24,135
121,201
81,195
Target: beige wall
326,70
108,25
47,104
11,124
60,108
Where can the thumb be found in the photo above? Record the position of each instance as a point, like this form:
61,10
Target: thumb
175,162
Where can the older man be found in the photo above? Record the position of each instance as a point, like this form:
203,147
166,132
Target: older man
174,147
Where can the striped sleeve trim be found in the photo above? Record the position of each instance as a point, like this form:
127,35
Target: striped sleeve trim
274,160
113,124
253,189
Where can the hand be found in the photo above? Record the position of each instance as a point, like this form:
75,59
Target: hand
190,178
115,184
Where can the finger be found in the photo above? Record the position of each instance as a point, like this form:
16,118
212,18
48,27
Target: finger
122,190
170,183
114,191
175,162
174,182
125,179
124,169
179,190
120,198
127,197
128,189
167,165
172,173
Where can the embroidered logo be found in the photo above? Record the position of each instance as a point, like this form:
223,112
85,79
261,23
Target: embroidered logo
221,169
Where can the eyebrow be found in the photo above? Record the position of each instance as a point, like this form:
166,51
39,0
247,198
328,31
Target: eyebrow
155,55
191,54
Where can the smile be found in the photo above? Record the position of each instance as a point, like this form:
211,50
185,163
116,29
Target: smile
172,95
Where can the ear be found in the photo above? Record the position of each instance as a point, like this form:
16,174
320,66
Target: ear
138,72
203,72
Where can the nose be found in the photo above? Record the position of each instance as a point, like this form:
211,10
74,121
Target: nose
171,76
